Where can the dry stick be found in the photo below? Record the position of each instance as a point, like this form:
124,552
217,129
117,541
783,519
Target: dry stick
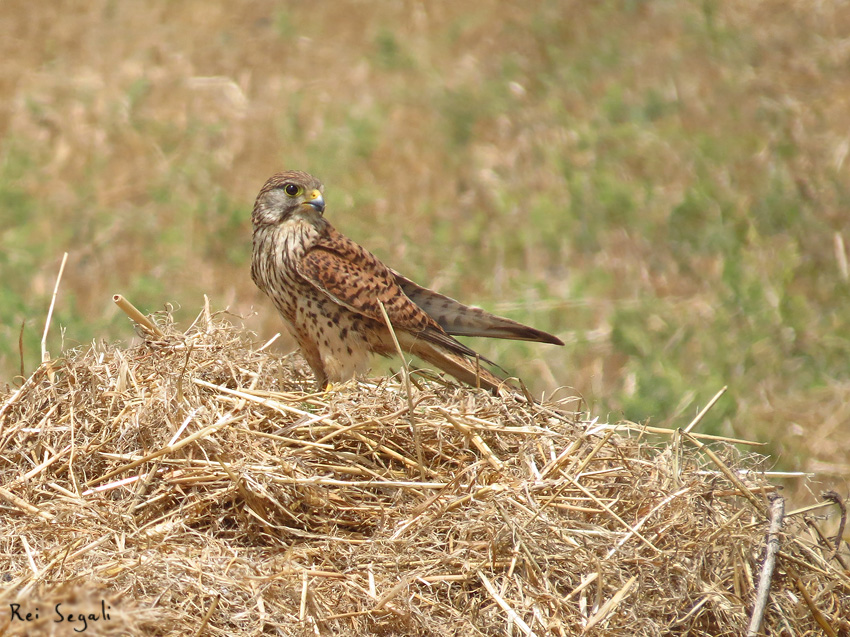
610,511
466,430
561,459
386,598
705,409
670,432
269,342
417,439
38,469
722,528
577,472
815,611
182,375
28,551
449,577
839,576
640,523
586,461
512,614
833,496
207,615
34,579
23,504
225,420
18,393
130,310
119,483
610,605
21,348
728,473
266,402
420,509
73,449
777,513
825,541
88,547
807,509
302,611
344,430
397,484
677,436
45,355
586,581
477,495
392,453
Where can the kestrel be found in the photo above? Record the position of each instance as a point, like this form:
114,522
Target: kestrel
329,291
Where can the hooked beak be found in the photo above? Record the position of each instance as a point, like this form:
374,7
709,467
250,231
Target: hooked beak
316,200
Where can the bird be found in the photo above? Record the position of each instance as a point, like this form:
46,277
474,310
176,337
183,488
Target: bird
333,295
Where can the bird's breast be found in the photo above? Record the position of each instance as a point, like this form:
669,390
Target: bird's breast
277,251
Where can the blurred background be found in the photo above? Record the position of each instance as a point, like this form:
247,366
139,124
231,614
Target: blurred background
661,184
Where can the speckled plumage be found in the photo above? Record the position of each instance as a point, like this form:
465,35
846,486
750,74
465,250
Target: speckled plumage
328,290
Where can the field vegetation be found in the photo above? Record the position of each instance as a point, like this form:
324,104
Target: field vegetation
662,184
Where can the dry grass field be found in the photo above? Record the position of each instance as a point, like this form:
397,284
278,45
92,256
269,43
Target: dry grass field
662,184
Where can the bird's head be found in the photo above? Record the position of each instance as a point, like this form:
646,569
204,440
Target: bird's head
287,195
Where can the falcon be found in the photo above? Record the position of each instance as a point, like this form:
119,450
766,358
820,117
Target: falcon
329,292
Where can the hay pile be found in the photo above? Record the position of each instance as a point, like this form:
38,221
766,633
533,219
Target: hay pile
189,485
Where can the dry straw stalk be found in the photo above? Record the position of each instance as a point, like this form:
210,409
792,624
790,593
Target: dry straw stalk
192,483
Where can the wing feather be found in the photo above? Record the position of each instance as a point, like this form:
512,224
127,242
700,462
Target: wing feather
354,278
464,320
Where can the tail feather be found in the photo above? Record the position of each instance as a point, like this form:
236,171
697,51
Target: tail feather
465,369
458,319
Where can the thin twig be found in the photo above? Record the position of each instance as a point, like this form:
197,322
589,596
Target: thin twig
207,615
640,523
593,497
810,603
224,420
728,473
45,355
586,581
417,436
629,426
476,439
611,604
23,504
705,409
19,392
825,541
512,614
130,310
21,348
777,513
833,496
305,581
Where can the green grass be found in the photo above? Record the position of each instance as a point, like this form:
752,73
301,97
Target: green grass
660,184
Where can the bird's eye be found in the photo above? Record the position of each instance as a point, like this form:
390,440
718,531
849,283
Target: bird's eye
292,190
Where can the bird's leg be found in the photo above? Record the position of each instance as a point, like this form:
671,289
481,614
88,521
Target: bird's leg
332,386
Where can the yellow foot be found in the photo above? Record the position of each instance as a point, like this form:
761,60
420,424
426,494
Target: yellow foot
333,387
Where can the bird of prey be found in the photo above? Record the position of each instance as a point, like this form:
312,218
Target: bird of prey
329,291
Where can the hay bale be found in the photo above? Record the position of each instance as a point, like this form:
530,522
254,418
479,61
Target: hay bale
191,483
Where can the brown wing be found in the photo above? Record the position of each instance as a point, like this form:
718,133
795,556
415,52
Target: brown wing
462,320
357,280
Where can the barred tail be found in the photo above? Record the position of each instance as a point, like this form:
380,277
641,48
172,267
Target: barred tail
458,319
465,369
